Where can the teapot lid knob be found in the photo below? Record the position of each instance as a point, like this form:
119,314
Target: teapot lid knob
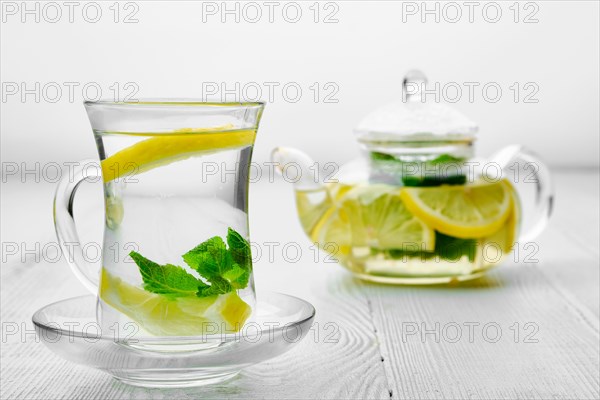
413,83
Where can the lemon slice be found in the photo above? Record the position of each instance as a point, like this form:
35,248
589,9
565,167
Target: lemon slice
494,248
503,240
312,205
315,205
183,316
333,233
170,147
469,211
374,216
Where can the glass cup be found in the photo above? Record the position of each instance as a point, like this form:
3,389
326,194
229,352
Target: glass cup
176,256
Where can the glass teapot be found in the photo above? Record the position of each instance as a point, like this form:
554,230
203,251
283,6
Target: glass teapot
417,207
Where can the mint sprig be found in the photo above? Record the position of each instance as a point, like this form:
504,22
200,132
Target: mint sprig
224,269
169,280
446,248
419,173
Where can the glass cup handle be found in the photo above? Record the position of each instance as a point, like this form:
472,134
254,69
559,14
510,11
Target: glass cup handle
64,222
515,157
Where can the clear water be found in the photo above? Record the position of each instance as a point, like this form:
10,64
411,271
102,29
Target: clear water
168,210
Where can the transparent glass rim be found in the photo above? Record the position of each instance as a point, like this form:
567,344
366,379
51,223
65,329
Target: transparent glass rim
418,141
174,102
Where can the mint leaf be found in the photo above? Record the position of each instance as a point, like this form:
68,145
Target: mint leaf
217,286
427,181
225,269
453,248
377,156
240,249
237,276
446,248
211,258
169,280
445,159
445,169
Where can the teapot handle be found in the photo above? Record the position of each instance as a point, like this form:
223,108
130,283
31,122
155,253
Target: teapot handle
512,160
302,165
64,222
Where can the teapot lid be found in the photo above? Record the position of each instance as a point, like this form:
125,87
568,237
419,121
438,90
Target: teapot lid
414,119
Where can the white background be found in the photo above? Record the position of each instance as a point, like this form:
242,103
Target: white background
171,52
175,48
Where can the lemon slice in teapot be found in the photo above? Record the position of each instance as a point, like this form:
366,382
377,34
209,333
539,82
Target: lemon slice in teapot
374,216
471,211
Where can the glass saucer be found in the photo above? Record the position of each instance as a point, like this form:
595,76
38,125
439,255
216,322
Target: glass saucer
69,329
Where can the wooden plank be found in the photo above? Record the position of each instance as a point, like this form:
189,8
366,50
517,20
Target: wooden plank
573,271
560,360
577,214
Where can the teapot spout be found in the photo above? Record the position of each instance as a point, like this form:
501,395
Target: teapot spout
296,167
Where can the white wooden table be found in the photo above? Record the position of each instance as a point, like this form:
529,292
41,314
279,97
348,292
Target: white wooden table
553,305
